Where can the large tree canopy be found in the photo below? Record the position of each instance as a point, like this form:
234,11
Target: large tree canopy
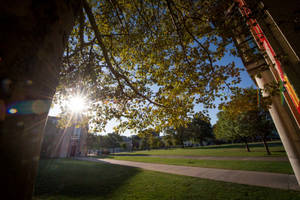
149,62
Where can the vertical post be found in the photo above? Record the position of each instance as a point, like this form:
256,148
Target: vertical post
285,124
285,117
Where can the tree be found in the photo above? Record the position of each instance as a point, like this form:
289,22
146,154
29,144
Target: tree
177,135
144,45
255,111
111,140
124,146
32,44
168,137
262,125
93,141
149,139
200,130
265,128
245,116
233,129
135,142
155,142
115,52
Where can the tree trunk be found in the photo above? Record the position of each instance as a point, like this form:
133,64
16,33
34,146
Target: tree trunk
247,146
266,145
201,143
32,41
182,143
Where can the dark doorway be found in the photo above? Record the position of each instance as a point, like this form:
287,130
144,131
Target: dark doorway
73,150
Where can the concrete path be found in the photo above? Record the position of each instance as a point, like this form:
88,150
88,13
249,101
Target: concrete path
265,179
213,157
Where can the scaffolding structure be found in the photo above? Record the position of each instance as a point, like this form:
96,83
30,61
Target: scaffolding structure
270,57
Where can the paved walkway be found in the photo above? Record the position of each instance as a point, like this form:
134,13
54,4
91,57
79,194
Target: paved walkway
213,157
265,179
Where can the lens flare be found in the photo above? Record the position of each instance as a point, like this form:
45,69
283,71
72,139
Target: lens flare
12,111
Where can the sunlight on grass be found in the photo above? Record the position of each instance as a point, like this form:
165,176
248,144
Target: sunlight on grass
264,166
257,149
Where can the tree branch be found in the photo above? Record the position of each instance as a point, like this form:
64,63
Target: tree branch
106,56
81,27
178,30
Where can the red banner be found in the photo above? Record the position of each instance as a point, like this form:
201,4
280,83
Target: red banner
264,45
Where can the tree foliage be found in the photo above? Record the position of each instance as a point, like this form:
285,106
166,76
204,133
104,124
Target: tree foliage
246,100
148,62
245,116
135,142
149,139
201,130
233,128
111,140
197,131
93,141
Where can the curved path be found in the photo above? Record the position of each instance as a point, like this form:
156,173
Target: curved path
265,179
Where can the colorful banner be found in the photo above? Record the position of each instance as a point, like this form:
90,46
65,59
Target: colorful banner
264,44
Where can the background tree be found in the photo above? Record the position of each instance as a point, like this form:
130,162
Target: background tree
94,141
136,140
124,146
201,130
155,141
111,141
177,136
168,137
265,128
261,124
232,129
149,139
182,134
245,116
198,131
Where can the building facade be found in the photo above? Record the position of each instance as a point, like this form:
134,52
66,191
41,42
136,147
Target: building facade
63,142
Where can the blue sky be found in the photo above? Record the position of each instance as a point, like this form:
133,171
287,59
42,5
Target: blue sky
246,81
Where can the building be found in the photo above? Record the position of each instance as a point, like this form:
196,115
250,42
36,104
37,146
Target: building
268,41
63,142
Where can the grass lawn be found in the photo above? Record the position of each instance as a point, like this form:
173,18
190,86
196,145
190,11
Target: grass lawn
71,179
265,166
257,149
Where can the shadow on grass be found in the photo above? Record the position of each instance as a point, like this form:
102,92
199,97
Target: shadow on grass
72,178
102,156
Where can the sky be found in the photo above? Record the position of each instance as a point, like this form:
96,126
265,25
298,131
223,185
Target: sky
246,81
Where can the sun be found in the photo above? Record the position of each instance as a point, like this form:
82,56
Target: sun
77,104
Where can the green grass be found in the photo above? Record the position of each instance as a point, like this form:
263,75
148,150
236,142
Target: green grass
264,166
70,179
257,149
